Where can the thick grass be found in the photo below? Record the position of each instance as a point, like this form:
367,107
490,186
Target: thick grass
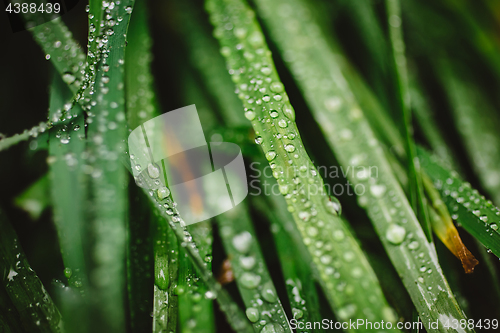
354,84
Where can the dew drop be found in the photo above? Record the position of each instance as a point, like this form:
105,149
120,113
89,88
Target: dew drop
282,123
252,314
242,242
273,328
377,190
333,205
268,292
68,78
270,155
266,70
250,115
153,171
250,280
163,193
277,87
290,148
289,112
395,234
247,262
68,272
297,313
274,114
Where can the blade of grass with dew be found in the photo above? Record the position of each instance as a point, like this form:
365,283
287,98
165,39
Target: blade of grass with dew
33,132
68,189
59,47
354,143
195,310
35,199
107,133
273,118
35,307
263,307
477,122
141,107
165,308
415,187
67,57
294,260
476,215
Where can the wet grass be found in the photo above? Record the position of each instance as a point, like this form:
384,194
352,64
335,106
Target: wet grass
405,112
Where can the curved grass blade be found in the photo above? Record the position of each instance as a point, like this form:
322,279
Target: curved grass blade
474,213
354,143
273,118
36,310
263,307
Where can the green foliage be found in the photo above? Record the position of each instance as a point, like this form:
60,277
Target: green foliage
358,85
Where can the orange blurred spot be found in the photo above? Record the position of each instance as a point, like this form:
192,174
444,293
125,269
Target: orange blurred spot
226,274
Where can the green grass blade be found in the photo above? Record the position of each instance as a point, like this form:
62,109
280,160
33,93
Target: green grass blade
68,193
195,310
107,133
166,274
141,106
354,143
33,132
273,118
294,260
263,307
35,307
404,98
35,199
427,123
477,122
205,57
469,208
59,47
